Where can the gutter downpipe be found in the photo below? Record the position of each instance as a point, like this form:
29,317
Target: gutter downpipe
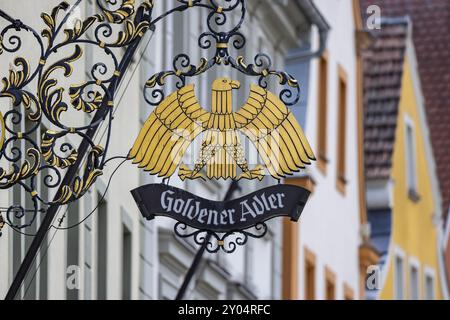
316,18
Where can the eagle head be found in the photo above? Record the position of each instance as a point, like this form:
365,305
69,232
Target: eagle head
225,84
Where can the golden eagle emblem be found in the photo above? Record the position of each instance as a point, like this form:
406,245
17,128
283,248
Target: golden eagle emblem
264,119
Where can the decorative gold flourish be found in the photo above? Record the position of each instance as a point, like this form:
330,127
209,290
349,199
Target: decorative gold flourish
53,154
52,101
29,101
81,27
191,70
131,32
50,21
25,171
47,148
265,72
11,86
119,15
82,184
79,103
16,77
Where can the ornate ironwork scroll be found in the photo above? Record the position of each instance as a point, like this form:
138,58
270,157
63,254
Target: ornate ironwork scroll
45,90
40,100
177,128
229,223
223,42
227,242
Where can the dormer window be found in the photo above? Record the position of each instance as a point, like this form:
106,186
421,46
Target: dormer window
411,159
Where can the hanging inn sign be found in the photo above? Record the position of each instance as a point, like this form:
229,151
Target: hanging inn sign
54,161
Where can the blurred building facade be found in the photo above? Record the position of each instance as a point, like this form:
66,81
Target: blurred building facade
115,254
403,199
431,37
331,246
118,255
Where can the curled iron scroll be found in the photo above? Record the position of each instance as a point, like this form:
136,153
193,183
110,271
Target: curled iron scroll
224,41
41,155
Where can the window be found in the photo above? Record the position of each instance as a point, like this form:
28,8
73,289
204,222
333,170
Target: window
180,34
248,263
411,174
310,273
126,263
322,110
330,284
399,278
101,249
414,283
88,256
342,128
91,9
72,246
429,285
36,281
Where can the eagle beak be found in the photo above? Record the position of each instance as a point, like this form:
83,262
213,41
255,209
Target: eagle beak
235,84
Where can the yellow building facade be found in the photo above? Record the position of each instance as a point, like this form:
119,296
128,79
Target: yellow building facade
402,191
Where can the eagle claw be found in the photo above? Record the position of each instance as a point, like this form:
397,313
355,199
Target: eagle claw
256,173
185,173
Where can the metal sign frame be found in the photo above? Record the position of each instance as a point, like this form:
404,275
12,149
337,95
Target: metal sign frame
72,170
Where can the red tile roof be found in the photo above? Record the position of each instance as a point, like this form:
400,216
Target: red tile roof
383,71
431,33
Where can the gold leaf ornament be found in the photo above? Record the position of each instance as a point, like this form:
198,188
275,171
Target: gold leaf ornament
48,143
118,16
29,168
76,99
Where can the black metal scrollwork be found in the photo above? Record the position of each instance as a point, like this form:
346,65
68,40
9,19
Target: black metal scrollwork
224,41
40,98
227,242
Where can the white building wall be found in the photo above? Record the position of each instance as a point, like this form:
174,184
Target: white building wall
329,226
158,260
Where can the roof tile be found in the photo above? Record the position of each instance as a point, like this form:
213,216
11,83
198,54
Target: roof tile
431,33
383,71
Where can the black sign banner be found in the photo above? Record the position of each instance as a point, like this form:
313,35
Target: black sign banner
203,214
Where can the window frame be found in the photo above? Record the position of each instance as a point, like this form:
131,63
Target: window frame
399,254
330,281
310,283
342,104
349,293
411,164
100,270
414,264
429,273
322,111
127,228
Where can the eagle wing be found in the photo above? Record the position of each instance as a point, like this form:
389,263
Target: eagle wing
168,132
275,133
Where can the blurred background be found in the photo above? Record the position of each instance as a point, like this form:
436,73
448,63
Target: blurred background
374,78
